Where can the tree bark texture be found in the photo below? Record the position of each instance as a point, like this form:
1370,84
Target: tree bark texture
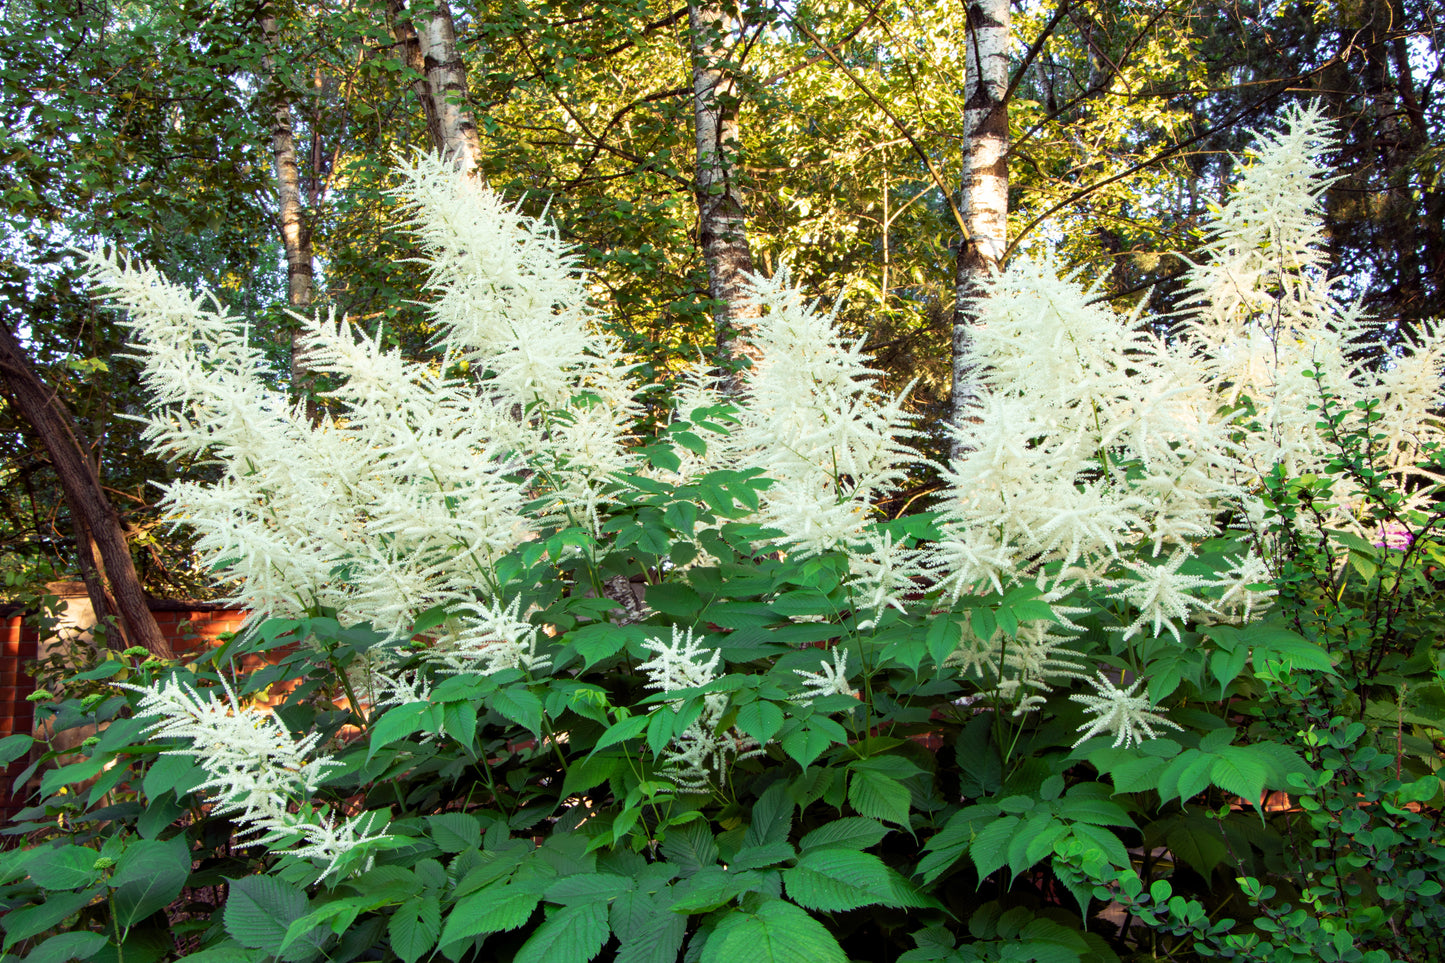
295,230
984,183
722,212
428,42
106,565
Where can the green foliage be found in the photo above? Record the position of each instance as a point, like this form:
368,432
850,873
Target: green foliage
529,822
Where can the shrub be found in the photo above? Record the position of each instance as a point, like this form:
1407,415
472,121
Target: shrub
566,692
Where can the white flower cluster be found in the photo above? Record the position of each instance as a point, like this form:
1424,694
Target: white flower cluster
408,500
488,638
830,679
700,754
813,418
1129,718
1100,453
815,421
256,770
1269,324
1018,669
512,302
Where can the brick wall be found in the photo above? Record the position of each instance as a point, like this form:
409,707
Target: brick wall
19,644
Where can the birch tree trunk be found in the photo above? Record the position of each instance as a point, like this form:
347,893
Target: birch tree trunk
984,186
110,576
428,42
295,231
722,213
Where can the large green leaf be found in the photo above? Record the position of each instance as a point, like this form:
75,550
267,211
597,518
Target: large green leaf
990,847
455,832
778,932
834,880
398,723
24,923
149,875
772,816
761,720
521,705
260,909
648,931
690,847
950,843
1237,770
414,927
1034,840
498,907
67,947
62,867
573,934
879,796
850,832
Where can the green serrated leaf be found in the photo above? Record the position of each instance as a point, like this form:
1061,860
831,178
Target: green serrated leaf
850,832
646,930
836,880
259,910
1199,845
414,927
573,934
67,947
761,720
149,876
455,832
62,867
949,844
396,724
1236,770
521,705
629,728
989,850
499,907
777,933
690,847
772,817
879,796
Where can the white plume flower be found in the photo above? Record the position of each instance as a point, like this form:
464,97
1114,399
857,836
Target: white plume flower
512,302
815,420
1271,325
255,769
830,679
1128,717
1162,595
486,638
700,753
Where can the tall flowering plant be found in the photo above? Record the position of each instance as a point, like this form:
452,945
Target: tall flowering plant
548,690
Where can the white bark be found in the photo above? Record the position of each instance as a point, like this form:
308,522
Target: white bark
428,42
722,213
984,184
295,231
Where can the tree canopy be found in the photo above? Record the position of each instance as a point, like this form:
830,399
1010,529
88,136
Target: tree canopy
150,126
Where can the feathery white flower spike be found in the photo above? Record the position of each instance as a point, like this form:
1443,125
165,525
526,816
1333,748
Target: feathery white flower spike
1128,717
830,679
700,753
255,769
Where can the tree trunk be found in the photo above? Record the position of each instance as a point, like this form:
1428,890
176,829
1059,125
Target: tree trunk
722,214
295,231
428,42
105,561
984,184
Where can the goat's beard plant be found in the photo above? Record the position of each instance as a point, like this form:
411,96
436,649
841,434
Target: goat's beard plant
491,516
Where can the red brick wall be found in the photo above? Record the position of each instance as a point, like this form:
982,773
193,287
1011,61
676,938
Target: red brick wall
19,644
